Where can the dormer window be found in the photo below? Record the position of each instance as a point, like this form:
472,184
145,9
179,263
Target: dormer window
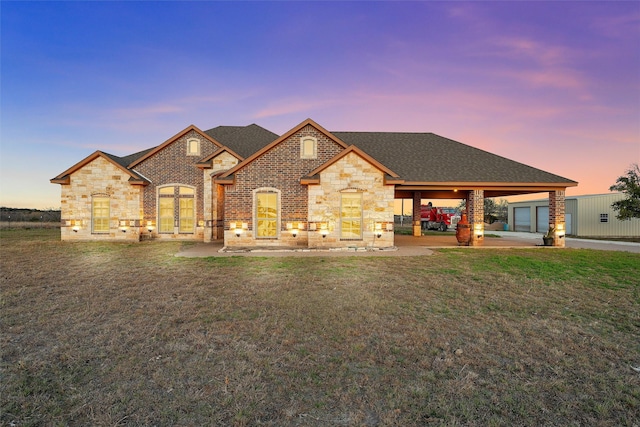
308,147
193,147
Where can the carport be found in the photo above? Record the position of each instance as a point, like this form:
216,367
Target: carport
441,168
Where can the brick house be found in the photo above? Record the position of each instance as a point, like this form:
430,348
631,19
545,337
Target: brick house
307,188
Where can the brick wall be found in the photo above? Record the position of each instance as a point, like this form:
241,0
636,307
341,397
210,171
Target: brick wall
280,168
557,215
172,165
475,206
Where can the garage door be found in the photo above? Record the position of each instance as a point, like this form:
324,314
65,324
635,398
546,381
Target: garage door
522,219
542,219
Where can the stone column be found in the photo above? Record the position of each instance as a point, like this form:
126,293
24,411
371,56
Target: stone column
556,216
475,207
417,229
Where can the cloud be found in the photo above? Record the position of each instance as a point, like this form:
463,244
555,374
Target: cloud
294,105
625,26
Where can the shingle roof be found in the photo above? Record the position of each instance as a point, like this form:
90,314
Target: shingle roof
244,140
427,157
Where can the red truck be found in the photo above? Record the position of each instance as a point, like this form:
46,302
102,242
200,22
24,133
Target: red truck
433,218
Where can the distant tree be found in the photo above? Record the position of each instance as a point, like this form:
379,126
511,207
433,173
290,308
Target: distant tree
494,210
628,184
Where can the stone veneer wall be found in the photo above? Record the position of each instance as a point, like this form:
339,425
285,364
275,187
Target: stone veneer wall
351,173
100,178
172,165
280,168
212,196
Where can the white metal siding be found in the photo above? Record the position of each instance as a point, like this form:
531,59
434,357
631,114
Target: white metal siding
542,219
582,216
588,221
522,221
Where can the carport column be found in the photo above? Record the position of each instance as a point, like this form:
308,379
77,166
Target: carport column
417,229
556,216
475,206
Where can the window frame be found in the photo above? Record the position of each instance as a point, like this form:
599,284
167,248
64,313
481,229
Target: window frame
94,229
178,220
256,218
314,147
196,143
344,195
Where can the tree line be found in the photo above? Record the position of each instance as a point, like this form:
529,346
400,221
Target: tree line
29,215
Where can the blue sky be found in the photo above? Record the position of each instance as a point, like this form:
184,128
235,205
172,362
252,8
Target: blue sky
555,85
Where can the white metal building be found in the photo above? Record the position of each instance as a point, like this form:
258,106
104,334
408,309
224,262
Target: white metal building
585,216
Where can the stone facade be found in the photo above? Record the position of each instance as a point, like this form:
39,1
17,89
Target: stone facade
213,196
310,170
355,174
101,178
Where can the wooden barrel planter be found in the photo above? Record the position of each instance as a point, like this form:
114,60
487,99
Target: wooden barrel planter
463,231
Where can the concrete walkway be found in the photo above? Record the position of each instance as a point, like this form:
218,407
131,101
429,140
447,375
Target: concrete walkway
411,246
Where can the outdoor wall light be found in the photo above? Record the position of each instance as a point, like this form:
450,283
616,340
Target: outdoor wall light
123,229
294,232
560,230
236,227
478,229
378,230
150,228
76,228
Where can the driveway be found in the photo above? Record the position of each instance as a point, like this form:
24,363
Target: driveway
412,246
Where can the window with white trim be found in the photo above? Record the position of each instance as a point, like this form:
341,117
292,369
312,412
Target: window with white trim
99,214
193,147
308,147
351,216
176,204
266,215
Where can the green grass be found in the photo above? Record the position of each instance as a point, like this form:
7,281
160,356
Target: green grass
127,334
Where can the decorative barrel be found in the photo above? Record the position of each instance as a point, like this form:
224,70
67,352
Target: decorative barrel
463,231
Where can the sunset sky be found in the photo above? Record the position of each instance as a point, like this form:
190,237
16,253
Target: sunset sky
555,85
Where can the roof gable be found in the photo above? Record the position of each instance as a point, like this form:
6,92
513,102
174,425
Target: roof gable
207,161
170,141
281,139
65,177
358,152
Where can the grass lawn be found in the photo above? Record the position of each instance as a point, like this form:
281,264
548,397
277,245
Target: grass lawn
109,334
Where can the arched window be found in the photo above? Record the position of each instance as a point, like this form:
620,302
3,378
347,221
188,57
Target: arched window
193,147
267,212
100,214
308,147
176,209
351,215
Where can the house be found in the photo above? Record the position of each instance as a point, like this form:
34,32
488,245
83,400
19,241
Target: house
585,216
307,188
